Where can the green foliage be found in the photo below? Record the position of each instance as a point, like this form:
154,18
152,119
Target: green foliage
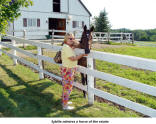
153,37
9,11
101,22
124,30
141,35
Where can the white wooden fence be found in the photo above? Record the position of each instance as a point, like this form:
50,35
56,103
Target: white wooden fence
137,62
108,36
26,33
97,36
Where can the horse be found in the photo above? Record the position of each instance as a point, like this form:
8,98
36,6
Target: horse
86,44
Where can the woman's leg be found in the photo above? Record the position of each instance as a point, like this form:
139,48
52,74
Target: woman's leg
67,83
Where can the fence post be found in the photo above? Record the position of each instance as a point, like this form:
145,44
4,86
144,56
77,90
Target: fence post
129,37
40,63
24,36
97,39
90,65
108,37
121,37
0,46
132,38
52,37
14,52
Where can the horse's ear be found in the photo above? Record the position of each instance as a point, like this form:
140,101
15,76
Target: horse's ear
92,29
85,28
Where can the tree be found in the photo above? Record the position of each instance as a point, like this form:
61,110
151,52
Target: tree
101,22
10,10
141,35
153,38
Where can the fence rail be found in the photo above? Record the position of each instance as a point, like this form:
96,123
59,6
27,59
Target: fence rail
137,62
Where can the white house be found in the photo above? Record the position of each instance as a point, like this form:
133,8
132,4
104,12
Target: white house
45,15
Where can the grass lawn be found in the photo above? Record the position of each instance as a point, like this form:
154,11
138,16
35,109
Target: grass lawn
148,42
22,94
145,52
146,77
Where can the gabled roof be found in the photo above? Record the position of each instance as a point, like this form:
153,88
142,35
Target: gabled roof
85,7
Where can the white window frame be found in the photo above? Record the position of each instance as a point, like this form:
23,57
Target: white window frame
32,22
78,24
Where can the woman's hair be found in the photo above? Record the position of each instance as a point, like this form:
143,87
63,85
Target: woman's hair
67,35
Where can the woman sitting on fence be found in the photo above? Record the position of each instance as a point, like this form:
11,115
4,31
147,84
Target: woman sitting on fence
68,69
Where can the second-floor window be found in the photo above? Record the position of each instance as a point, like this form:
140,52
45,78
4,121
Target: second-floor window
56,5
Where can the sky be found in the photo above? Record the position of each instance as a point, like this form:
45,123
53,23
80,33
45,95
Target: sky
131,14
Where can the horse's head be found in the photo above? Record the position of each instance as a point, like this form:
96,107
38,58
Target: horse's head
86,39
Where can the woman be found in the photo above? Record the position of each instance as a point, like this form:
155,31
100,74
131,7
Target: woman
68,69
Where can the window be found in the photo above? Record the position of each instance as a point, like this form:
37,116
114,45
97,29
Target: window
56,5
32,23
76,24
28,22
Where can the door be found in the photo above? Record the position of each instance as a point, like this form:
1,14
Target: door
57,24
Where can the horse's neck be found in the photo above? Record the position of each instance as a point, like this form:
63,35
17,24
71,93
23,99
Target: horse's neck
81,46
78,45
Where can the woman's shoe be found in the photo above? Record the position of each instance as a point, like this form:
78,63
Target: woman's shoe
69,103
68,108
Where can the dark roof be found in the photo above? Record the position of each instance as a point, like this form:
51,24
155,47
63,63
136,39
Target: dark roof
85,7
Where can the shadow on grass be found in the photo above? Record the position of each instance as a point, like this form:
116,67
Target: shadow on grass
30,101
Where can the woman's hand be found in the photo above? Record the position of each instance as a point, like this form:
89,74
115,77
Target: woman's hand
75,58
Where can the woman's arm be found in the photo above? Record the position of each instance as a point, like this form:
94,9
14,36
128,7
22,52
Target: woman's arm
75,58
